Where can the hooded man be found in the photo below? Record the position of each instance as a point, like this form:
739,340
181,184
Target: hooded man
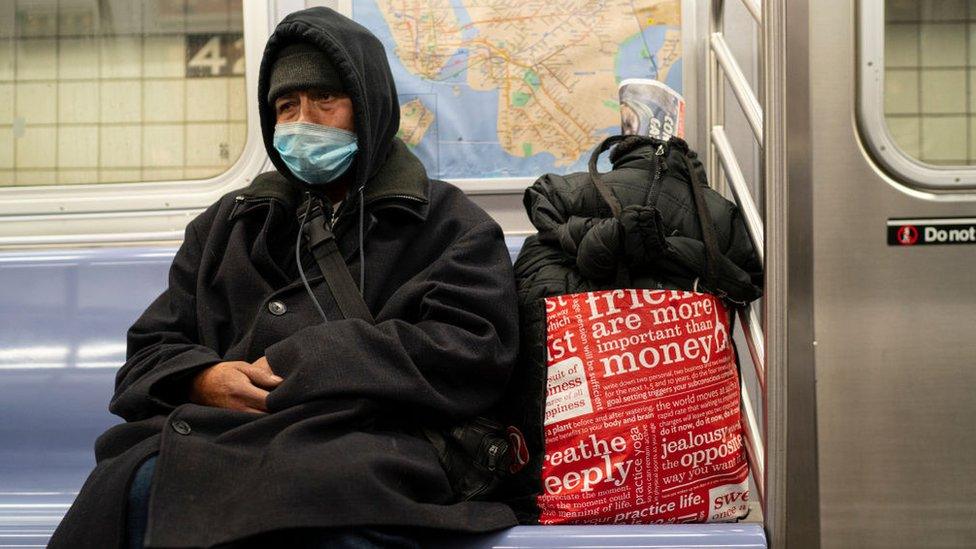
250,419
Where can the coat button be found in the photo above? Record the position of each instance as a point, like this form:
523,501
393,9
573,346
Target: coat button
277,308
181,427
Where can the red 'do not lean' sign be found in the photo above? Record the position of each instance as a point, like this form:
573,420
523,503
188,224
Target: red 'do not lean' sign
642,411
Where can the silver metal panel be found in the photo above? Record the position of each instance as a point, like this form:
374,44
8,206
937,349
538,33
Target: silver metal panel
791,484
895,346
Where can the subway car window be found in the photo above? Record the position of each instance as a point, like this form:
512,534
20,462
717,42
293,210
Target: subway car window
928,101
108,91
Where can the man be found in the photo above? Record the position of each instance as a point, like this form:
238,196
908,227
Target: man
252,420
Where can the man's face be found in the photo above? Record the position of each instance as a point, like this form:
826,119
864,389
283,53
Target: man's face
316,106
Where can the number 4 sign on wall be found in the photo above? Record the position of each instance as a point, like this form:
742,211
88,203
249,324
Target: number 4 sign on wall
209,55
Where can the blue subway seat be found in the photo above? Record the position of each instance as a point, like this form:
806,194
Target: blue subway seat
63,318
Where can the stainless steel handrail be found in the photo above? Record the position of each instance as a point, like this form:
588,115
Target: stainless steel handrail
722,65
750,325
754,9
752,328
750,213
740,86
754,445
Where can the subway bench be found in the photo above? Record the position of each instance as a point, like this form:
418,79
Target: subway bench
63,318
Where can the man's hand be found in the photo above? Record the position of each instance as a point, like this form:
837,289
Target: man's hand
235,385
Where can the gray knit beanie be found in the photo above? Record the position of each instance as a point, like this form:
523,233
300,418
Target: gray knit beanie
300,66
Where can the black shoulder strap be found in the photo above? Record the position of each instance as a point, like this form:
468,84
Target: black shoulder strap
601,186
322,244
709,237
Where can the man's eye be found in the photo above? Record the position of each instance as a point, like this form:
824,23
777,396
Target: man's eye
285,106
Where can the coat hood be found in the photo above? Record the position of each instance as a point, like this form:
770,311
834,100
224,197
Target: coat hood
361,62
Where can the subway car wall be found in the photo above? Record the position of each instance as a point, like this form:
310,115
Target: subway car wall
122,120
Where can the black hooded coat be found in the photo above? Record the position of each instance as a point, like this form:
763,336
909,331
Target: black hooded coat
336,448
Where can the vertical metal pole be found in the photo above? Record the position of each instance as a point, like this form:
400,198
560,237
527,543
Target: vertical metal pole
715,91
792,480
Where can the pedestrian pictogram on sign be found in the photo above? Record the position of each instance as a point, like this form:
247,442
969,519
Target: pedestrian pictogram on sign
907,235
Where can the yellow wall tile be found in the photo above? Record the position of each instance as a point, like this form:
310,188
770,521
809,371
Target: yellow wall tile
206,99
163,101
121,56
943,45
37,59
121,101
205,143
162,146
944,91
37,103
905,132
120,146
36,177
944,139
901,91
119,176
901,45
78,59
6,148
78,101
37,147
165,56
78,146
77,177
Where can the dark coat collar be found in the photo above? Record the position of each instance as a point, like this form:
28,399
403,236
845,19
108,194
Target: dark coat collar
401,183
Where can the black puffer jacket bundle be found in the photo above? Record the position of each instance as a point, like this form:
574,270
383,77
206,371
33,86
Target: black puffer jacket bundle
641,230
656,242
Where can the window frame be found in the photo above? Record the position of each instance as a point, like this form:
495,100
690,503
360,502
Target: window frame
138,211
910,172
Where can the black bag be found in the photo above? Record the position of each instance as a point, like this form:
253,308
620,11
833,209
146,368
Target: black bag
476,455
632,255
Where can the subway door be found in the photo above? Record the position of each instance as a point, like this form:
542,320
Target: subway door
895,345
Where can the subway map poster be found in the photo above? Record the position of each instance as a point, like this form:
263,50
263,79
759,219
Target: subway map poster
500,89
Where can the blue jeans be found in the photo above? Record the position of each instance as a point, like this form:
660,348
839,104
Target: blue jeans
137,516
137,512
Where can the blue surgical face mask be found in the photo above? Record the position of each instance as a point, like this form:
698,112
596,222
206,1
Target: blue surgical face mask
316,154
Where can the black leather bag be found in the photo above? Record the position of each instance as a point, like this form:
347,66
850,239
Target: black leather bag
478,455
